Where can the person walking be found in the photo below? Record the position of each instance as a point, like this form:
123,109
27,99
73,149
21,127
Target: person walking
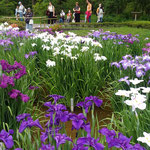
88,13
21,11
100,13
77,12
29,20
50,12
17,12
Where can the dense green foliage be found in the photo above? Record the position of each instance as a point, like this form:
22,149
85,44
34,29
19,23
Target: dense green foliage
122,8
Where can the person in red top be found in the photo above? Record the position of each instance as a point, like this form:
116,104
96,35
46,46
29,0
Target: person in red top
69,16
88,13
77,12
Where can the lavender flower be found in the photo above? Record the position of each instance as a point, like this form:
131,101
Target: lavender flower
125,80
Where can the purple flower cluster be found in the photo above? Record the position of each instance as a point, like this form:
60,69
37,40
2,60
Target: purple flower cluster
30,54
114,36
6,43
147,49
141,64
57,114
89,102
14,94
17,33
119,141
6,67
49,30
27,121
6,138
88,141
10,80
47,147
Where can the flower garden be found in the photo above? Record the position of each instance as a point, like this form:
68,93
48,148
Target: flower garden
45,76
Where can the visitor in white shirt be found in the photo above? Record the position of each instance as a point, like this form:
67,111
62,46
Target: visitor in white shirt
21,11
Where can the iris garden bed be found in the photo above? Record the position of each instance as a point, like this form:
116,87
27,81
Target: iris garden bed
58,71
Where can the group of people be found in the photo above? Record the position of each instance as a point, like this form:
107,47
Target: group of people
75,17
24,14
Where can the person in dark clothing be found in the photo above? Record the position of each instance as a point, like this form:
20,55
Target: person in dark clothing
28,20
77,12
50,12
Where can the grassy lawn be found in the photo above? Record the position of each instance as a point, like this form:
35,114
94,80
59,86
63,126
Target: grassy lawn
120,30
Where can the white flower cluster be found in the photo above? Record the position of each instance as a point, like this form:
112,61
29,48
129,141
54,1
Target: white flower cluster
5,27
97,57
70,45
137,100
50,63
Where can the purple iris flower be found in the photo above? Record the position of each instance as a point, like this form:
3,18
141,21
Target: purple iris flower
77,120
22,72
29,123
147,66
137,147
49,132
26,56
33,87
125,79
25,98
56,97
87,128
5,80
90,142
6,42
33,53
55,108
120,42
89,102
22,116
7,138
14,93
79,147
110,134
47,147
18,149
64,116
115,64
121,142
127,57
140,73
61,139
148,44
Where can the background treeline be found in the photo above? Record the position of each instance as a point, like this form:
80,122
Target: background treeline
115,10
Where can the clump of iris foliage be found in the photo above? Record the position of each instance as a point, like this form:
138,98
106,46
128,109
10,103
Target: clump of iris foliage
32,66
